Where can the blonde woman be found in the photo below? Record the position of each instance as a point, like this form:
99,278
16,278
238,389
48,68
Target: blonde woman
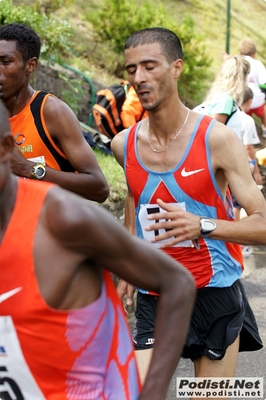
227,93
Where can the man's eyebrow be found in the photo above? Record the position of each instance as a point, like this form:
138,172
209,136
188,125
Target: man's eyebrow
6,55
141,63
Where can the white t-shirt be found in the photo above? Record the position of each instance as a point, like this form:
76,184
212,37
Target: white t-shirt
249,134
256,77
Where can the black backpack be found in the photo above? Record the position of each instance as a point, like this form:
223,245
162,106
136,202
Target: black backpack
107,108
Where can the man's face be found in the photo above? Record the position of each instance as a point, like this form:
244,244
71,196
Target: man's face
150,74
12,71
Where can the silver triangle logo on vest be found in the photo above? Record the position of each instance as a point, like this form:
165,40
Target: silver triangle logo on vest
185,173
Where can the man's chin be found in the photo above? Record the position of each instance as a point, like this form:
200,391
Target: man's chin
149,107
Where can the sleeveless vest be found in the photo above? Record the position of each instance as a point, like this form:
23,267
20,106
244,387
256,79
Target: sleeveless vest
50,354
32,137
191,185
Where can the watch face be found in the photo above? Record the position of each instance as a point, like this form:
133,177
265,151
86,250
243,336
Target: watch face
39,171
208,225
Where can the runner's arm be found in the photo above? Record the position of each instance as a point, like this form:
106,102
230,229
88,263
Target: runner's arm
65,130
84,232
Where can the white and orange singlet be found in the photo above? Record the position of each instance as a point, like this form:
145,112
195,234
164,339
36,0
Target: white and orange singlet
52,354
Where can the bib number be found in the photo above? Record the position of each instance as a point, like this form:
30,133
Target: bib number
145,210
16,379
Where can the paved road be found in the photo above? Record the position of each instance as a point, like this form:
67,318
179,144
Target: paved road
251,364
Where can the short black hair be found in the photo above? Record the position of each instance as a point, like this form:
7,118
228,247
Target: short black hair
27,40
170,43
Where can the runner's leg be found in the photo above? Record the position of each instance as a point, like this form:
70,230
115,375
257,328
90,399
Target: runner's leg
143,358
204,367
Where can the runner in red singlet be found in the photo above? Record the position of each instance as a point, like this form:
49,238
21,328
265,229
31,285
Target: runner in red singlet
178,165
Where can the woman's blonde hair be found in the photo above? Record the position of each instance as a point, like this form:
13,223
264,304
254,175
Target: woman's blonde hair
231,79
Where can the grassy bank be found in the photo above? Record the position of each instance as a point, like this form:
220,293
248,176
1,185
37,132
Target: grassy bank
114,175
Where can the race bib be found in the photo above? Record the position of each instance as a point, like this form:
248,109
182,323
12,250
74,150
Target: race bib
145,210
40,159
16,380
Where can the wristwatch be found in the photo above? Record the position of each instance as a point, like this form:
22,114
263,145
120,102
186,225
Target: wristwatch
206,227
38,171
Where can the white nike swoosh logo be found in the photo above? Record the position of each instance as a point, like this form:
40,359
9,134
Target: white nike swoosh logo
188,173
11,293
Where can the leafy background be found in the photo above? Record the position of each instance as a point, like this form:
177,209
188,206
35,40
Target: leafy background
88,36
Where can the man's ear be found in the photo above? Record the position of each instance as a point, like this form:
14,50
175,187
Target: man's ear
178,67
6,146
31,65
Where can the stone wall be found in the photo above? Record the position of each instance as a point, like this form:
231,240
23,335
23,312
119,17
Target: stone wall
49,78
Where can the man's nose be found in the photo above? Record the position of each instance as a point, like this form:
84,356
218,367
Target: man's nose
140,76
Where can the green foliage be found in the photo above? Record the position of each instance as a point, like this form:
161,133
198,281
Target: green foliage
55,34
72,93
50,6
116,20
196,76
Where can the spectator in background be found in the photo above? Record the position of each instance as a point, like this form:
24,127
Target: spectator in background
229,100
256,77
49,139
250,135
249,138
227,93
132,110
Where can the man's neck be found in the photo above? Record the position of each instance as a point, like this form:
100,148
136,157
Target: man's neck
19,101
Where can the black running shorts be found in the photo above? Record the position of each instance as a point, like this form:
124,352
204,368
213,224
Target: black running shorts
143,333
219,315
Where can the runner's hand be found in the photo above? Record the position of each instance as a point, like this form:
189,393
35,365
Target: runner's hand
125,293
175,224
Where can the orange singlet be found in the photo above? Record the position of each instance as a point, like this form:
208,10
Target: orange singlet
52,354
32,137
